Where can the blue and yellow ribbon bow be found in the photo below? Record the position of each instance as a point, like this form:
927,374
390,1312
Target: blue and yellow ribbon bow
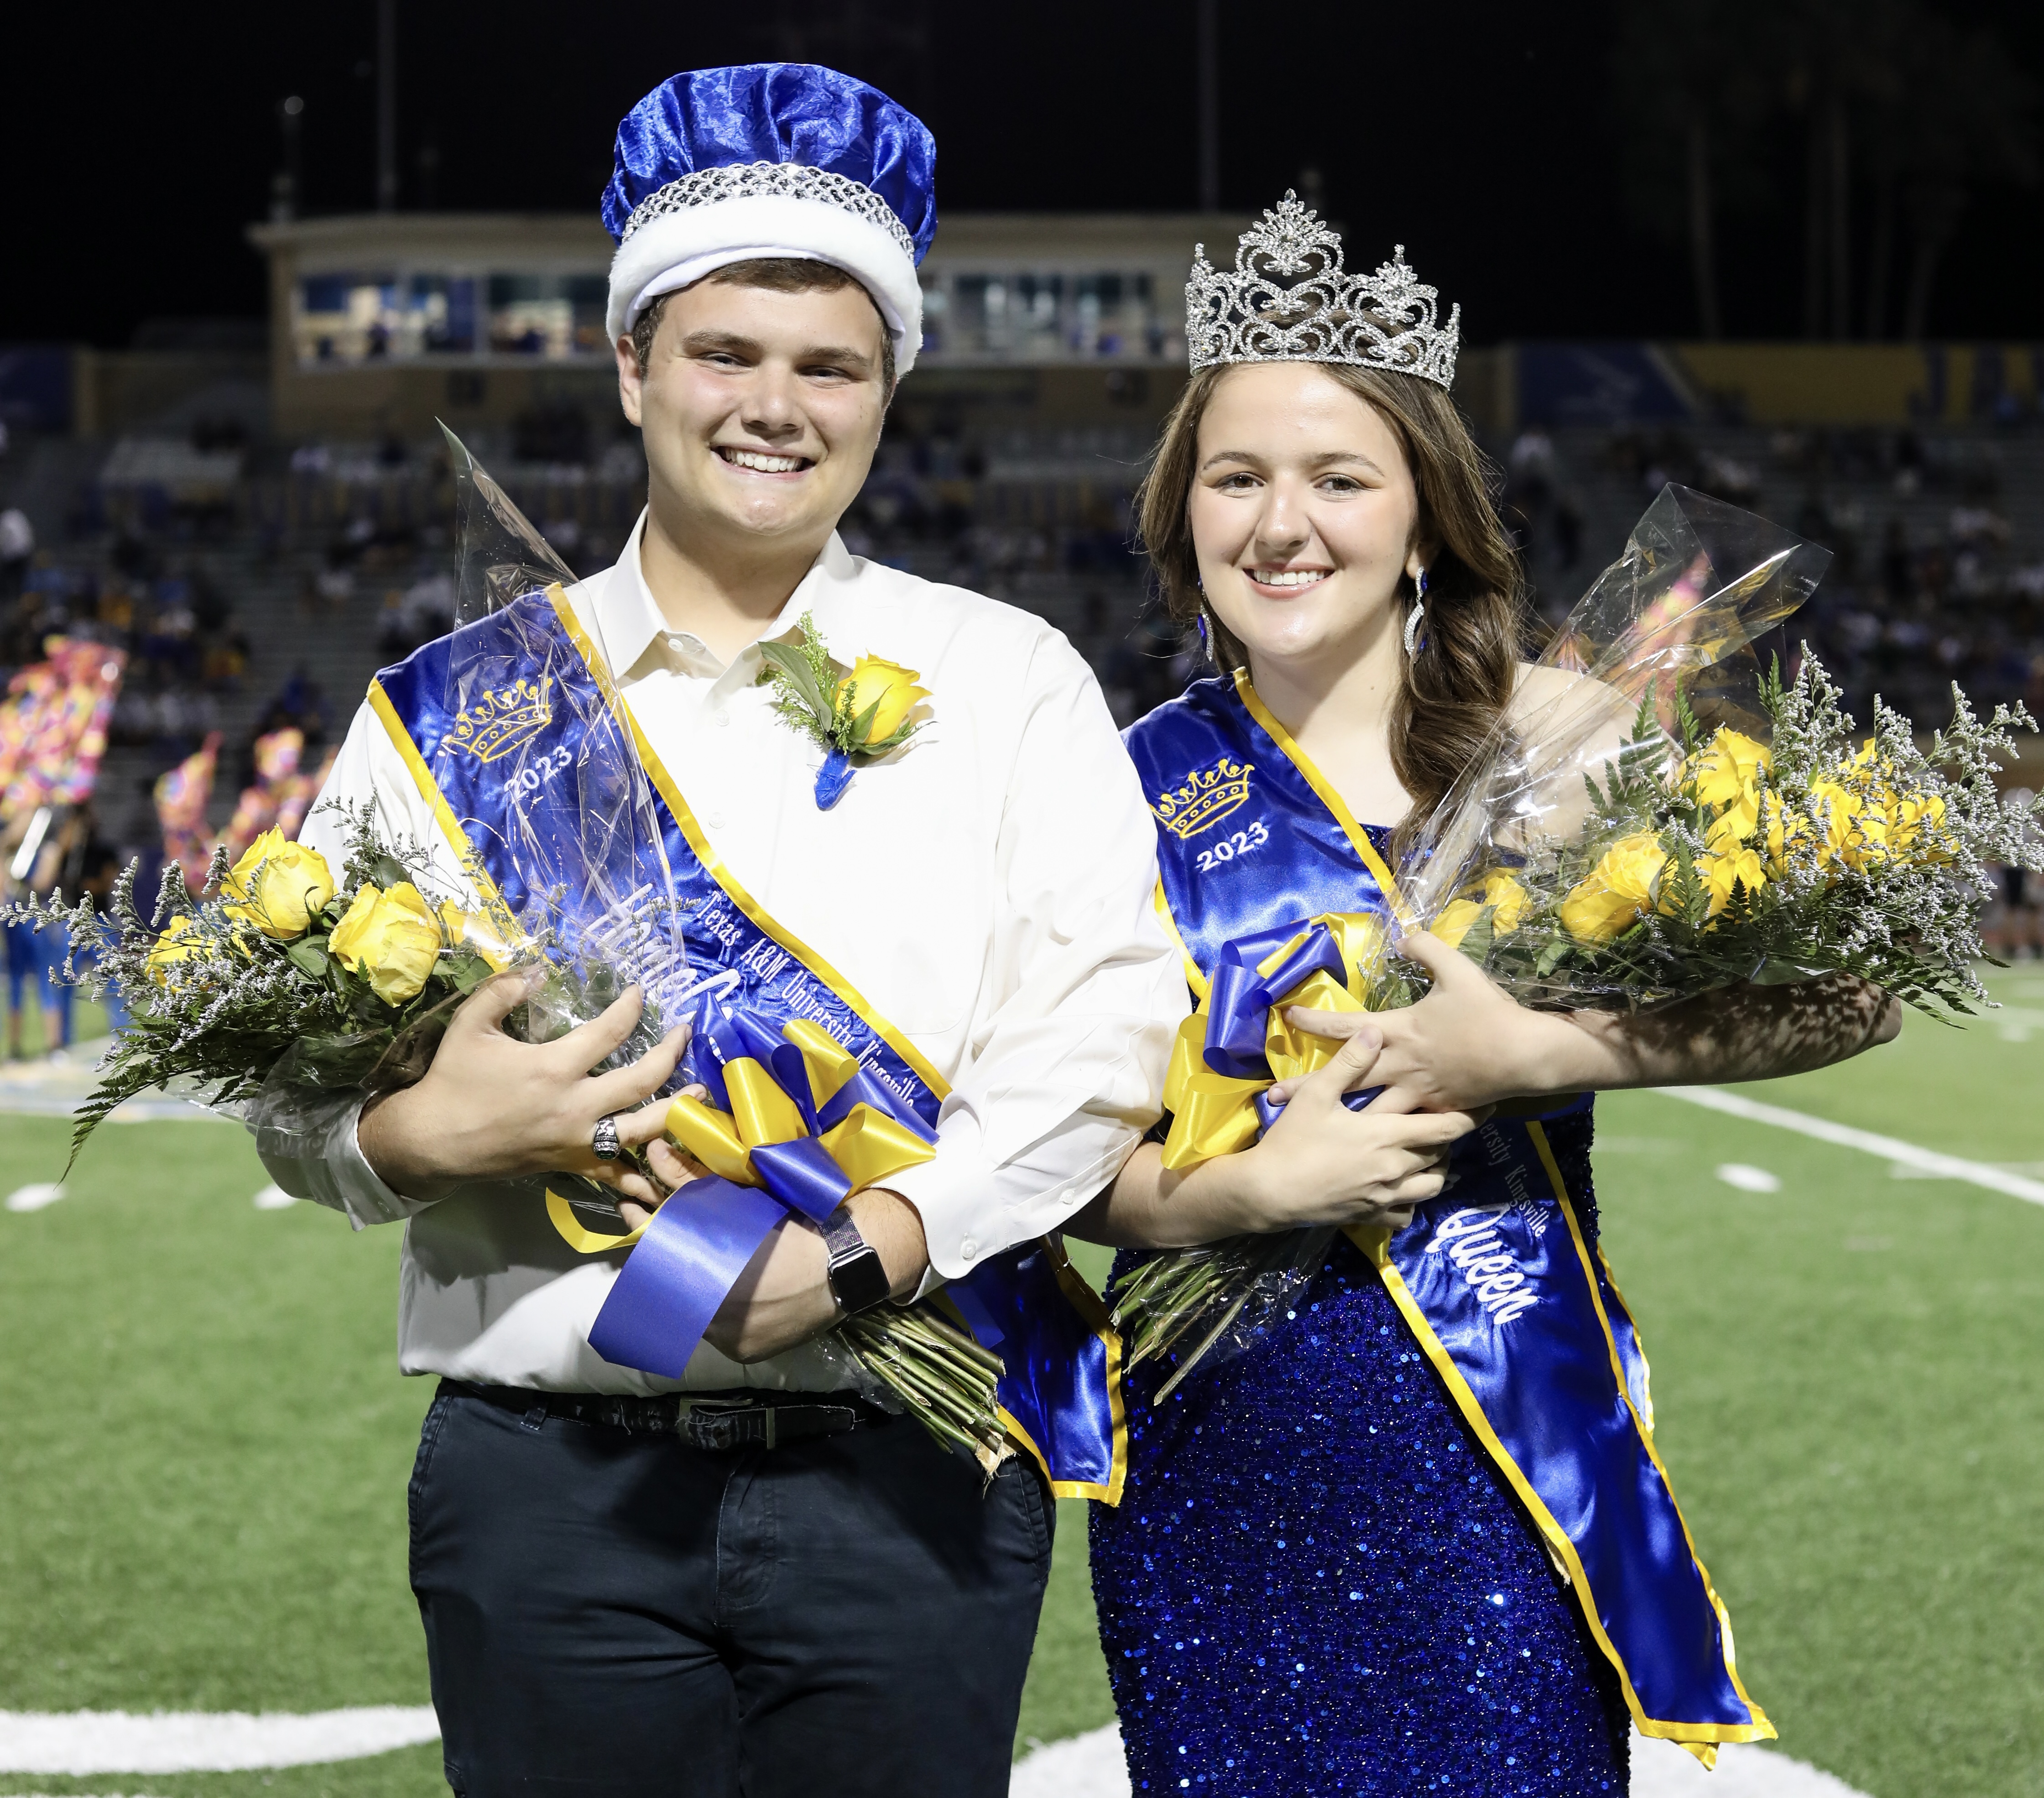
792,1124
800,1116
1238,1044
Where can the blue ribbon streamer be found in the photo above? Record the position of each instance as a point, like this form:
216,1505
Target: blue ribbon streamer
670,1285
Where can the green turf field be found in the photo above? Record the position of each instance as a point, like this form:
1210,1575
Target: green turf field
203,1446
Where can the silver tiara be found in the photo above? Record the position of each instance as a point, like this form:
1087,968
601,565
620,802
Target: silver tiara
1288,300
746,181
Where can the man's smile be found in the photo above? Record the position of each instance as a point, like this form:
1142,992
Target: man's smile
762,462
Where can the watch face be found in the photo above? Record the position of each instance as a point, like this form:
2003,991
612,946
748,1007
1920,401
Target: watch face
858,1282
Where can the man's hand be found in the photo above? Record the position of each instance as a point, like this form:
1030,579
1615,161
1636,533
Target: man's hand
492,1108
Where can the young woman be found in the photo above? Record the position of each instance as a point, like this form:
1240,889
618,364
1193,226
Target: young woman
1415,1537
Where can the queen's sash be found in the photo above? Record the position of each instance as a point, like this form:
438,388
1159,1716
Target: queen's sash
1516,1310
512,730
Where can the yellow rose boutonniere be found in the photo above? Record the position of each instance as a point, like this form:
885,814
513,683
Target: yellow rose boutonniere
878,695
278,887
856,718
392,939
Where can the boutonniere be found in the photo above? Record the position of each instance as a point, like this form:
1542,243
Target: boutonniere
856,717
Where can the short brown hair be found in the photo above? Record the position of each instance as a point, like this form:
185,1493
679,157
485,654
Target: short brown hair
777,274
1460,682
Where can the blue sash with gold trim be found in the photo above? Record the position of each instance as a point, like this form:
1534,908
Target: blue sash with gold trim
527,673
1515,1309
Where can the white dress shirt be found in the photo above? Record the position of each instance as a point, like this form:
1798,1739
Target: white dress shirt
1005,926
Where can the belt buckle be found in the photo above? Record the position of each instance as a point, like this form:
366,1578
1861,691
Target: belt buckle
724,1427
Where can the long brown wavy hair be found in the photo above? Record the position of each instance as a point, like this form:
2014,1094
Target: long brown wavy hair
1461,679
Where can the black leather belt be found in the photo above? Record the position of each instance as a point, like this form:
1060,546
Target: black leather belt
719,1421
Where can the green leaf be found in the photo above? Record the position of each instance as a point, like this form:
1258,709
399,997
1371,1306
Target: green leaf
790,666
468,970
1477,941
856,731
309,958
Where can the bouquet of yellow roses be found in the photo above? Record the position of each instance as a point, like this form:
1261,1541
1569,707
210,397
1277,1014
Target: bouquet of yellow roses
1665,818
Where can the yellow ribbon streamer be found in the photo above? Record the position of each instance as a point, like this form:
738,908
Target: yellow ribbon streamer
1213,1114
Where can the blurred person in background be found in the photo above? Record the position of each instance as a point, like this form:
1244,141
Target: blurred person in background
18,545
35,956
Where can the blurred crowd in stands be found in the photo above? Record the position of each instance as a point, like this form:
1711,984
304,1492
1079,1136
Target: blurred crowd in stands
1939,568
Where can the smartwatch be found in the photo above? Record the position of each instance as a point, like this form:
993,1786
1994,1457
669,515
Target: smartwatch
858,1282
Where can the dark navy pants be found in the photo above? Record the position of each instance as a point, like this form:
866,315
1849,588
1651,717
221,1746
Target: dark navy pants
620,1613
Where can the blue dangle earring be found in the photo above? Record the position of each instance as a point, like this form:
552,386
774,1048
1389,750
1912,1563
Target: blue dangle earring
1416,618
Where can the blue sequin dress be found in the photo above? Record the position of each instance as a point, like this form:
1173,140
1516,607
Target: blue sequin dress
1317,1582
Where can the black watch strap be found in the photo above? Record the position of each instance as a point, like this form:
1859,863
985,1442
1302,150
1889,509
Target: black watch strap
858,1282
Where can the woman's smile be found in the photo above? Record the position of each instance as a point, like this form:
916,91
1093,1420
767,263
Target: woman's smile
1282,583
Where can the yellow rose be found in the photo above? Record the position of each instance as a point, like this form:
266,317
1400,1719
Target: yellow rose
478,931
889,686
1507,901
277,887
1617,890
1719,872
169,950
1912,814
1727,770
392,937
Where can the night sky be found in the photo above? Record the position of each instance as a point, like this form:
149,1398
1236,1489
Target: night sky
137,142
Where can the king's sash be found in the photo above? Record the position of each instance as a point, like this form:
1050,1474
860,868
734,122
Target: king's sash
513,732
1514,1308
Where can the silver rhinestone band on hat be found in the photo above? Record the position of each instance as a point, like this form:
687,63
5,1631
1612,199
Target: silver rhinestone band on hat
792,181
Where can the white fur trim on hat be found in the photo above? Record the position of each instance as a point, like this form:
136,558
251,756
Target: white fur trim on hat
678,247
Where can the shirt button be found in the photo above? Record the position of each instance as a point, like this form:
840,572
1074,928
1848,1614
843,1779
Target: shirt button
713,820
968,1248
719,721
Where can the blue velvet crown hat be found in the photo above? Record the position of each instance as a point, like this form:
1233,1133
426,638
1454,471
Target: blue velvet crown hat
720,166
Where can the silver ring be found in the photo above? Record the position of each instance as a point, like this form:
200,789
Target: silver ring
603,1139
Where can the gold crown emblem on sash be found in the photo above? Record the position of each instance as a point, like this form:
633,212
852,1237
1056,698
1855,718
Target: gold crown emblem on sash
1207,796
500,721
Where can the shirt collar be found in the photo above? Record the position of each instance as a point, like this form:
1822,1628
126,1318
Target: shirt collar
628,619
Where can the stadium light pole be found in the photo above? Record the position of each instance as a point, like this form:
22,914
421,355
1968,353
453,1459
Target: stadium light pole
386,106
1209,35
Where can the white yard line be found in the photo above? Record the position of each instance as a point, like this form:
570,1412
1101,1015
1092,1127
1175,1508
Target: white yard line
177,1742
1090,1766
1932,1163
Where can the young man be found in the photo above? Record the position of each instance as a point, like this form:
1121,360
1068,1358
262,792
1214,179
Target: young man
624,1589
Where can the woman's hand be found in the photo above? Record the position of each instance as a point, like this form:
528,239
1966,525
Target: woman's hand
1319,1162
1467,1043
492,1108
